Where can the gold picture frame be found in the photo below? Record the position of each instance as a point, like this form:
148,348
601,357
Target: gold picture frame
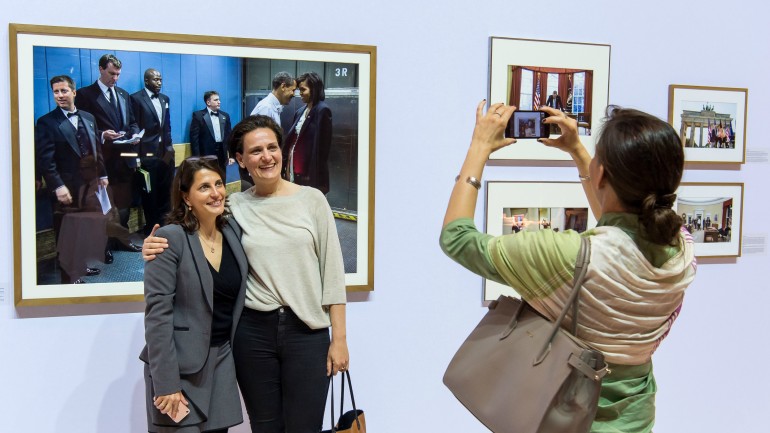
711,122
713,214
30,92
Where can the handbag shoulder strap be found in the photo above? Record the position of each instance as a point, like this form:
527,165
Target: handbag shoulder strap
352,398
581,267
344,374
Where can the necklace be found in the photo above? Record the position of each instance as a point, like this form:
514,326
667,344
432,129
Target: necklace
210,241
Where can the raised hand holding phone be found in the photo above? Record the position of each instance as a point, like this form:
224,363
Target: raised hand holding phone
528,124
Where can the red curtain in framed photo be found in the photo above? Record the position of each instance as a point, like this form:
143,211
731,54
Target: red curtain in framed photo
515,86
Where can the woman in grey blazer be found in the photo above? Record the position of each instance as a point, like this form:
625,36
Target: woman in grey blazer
291,336
194,295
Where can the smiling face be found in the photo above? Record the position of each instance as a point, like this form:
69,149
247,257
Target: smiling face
207,195
304,92
64,96
261,156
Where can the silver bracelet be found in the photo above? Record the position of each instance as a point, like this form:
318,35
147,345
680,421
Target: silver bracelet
472,181
584,178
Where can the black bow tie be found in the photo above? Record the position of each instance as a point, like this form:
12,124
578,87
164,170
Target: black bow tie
215,113
73,114
154,96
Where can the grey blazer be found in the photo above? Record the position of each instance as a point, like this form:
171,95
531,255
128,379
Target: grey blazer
179,293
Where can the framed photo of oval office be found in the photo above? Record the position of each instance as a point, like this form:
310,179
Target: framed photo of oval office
241,71
713,214
569,76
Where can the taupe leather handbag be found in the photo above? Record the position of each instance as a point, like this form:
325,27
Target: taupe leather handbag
518,372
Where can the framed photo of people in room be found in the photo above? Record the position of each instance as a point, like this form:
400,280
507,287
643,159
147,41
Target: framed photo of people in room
568,76
101,119
713,214
513,207
711,122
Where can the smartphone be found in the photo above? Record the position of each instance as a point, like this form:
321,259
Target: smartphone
527,124
181,412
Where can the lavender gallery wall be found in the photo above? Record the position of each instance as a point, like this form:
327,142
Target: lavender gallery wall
75,369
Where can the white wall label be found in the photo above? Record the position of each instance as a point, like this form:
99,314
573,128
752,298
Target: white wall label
761,156
754,244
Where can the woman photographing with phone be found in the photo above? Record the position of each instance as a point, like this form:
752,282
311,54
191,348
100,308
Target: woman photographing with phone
641,258
194,293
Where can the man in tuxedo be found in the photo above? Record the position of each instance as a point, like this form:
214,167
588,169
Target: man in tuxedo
210,129
554,101
62,138
111,107
156,152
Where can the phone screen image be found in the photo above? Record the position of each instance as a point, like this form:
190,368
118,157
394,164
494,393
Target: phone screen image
527,124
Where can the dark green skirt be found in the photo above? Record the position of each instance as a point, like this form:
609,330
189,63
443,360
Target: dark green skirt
627,400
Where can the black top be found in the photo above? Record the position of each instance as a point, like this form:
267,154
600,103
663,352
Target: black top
227,283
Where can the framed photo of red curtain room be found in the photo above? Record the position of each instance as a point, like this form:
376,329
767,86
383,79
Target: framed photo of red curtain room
569,76
55,247
711,122
512,207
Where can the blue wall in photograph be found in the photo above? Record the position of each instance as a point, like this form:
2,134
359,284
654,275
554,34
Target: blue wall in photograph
185,78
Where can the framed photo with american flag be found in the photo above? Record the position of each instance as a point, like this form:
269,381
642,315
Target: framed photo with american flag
711,122
569,76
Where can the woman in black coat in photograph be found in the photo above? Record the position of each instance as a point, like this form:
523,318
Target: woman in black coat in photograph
308,141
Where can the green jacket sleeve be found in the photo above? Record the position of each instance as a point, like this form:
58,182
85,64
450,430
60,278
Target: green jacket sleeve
463,243
535,263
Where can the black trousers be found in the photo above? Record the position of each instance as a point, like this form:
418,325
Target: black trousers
156,203
281,367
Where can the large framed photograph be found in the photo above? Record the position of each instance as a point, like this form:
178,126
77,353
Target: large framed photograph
711,122
713,214
512,207
61,243
569,76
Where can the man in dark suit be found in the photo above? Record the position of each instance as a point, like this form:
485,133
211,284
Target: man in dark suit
210,129
62,138
151,110
554,101
111,107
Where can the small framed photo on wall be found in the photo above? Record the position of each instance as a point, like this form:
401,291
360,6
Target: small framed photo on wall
711,122
512,207
713,214
568,76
